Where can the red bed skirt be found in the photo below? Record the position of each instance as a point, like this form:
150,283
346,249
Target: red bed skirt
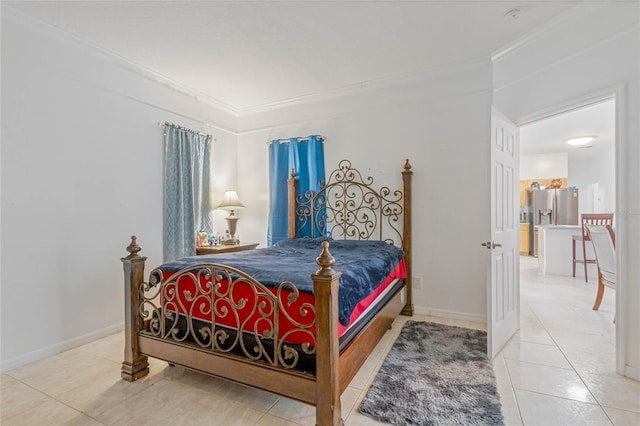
241,307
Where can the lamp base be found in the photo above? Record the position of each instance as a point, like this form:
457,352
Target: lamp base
232,220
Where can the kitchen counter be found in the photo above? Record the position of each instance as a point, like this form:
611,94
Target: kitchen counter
555,244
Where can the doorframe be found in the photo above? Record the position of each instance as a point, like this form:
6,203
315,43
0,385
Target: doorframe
618,94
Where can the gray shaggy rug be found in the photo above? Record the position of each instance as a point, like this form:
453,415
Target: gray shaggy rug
435,375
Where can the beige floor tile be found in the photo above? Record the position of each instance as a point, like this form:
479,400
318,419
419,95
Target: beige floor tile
16,397
357,419
545,410
530,321
257,399
294,411
622,417
35,370
171,403
50,413
553,381
528,318
65,372
534,335
575,341
350,400
100,395
382,349
500,371
589,362
269,420
615,391
110,347
510,410
535,353
365,375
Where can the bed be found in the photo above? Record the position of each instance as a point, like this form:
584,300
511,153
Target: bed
301,334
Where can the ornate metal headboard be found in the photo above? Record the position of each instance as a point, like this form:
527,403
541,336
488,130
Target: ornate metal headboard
347,206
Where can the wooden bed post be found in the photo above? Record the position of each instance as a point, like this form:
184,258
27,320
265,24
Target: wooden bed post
325,287
293,191
406,237
135,365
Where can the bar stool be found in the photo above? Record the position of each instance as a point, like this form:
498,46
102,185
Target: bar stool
588,219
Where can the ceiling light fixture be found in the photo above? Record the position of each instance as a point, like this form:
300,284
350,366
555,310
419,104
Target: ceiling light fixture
582,140
513,13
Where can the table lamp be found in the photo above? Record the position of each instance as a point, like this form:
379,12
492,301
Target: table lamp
231,202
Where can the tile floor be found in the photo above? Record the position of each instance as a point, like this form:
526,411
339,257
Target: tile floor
558,369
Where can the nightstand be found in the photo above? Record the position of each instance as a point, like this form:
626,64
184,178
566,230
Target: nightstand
224,248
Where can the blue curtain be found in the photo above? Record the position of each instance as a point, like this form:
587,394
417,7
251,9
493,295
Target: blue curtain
187,168
306,158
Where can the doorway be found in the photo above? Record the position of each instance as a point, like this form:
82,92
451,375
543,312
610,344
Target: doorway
591,168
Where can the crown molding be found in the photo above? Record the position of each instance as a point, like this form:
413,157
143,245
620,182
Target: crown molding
563,18
621,33
237,112
371,85
115,59
528,38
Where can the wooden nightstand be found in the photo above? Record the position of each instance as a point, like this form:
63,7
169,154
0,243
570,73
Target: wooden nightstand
224,248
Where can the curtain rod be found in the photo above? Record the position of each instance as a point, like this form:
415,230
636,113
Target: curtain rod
300,139
166,123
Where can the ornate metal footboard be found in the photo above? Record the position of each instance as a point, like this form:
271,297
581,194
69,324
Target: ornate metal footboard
221,309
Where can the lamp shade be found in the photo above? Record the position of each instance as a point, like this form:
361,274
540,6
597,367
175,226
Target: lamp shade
230,201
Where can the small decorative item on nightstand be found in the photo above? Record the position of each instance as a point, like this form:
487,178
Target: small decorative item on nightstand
202,239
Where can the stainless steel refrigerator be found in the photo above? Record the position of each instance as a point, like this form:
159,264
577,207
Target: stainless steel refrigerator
553,207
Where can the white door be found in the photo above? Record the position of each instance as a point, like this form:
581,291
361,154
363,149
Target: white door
503,300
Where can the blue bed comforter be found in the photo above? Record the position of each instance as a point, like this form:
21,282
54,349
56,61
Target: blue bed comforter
364,265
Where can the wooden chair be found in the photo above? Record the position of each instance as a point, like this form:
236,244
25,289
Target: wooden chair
588,219
604,245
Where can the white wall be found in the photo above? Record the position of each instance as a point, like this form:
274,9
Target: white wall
544,166
442,124
585,170
81,173
590,52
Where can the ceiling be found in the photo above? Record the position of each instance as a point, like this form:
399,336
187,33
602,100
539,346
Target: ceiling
243,55
549,135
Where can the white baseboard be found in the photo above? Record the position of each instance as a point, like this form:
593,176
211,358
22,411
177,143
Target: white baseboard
464,316
39,354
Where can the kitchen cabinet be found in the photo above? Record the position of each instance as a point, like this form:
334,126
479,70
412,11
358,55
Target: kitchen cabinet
525,185
524,239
